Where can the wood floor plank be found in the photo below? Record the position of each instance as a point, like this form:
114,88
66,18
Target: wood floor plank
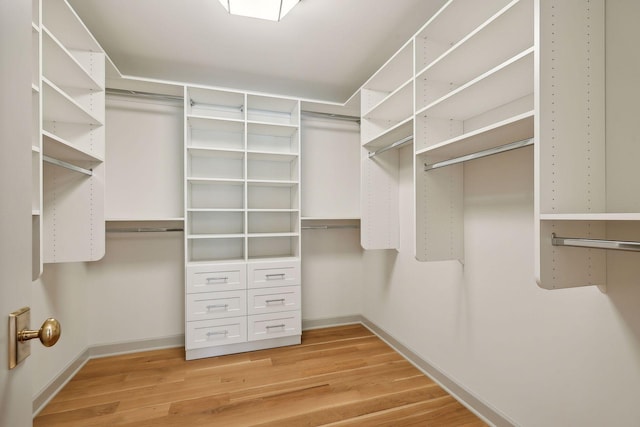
343,376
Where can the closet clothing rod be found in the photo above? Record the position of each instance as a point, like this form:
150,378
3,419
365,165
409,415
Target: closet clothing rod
595,243
480,154
143,230
179,98
391,147
67,165
328,227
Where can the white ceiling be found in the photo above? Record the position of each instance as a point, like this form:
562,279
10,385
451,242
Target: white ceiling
322,50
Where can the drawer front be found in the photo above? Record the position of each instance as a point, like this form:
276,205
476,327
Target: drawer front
215,305
271,300
209,333
274,325
213,278
273,274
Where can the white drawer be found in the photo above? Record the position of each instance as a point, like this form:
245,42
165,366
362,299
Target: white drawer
215,305
209,333
271,300
273,325
213,278
273,274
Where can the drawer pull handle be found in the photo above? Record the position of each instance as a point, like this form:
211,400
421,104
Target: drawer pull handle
216,306
273,301
217,279
275,276
282,325
217,333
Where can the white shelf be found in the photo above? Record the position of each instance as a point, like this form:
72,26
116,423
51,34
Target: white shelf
505,83
58,148
271,156
215,104
215,123
397,106
62,21
197,180
60,107
255,235
513,129
272,110
454,21
273,210
214,210
394,73
35,88
329,218
61,67
216,152
591,217
396,133
131,219
214,236
271,183
271,129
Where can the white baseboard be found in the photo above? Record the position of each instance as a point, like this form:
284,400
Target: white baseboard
48,392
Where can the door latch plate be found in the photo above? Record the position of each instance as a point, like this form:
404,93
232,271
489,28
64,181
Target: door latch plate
18,350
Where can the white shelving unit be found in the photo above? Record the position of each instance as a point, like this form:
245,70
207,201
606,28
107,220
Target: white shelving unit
36,141
585,141
459,86
242,215
68,138
474,95
386,118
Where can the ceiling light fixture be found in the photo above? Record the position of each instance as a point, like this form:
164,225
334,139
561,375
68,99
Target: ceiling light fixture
273,10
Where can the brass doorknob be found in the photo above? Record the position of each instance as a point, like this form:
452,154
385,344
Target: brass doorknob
48,334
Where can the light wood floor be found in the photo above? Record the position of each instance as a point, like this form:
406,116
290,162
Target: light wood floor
343,376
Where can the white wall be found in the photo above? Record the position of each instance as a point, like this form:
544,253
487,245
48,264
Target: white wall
60,292
542,358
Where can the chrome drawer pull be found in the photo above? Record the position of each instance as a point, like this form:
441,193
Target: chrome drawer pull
212,334
214,306
216,279
275,276
272,301
276,326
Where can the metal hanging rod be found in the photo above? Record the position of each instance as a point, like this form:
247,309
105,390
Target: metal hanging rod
595,243
480,154
392,146
143,230
67,165
180,98
341,117
329,227
139,94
